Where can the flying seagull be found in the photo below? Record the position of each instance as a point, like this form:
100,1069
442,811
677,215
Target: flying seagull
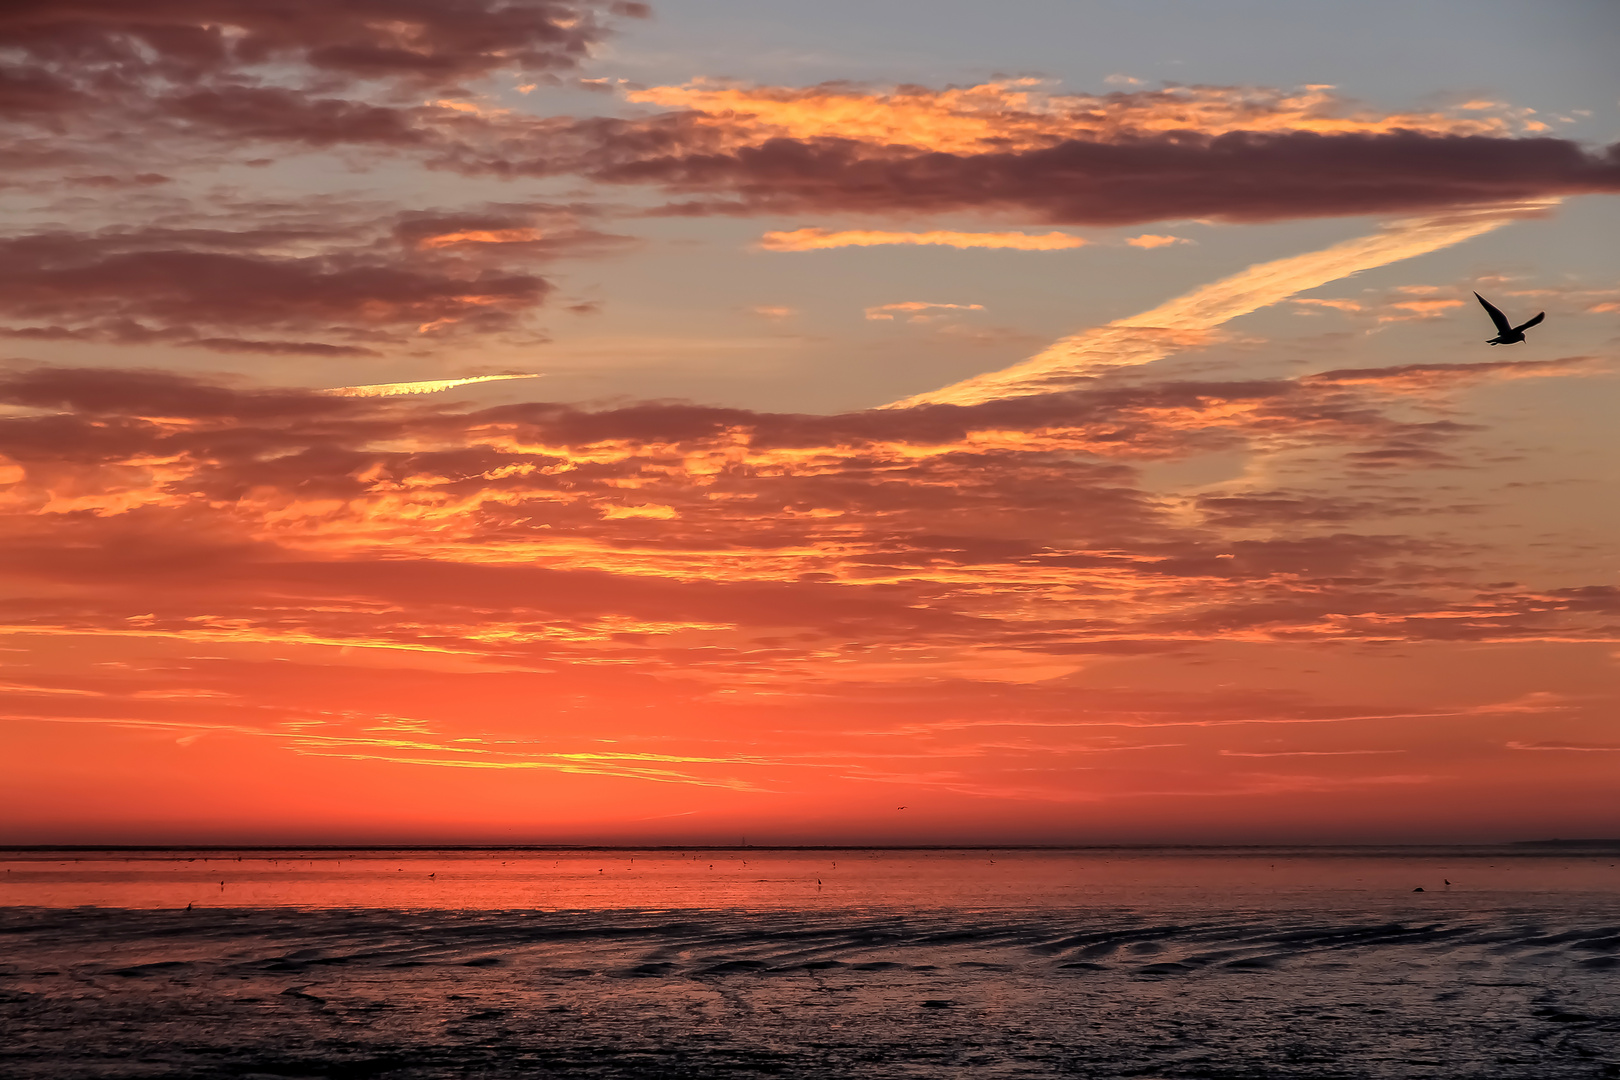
1506,333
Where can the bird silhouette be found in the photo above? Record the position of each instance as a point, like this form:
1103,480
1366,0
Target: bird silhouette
1506,332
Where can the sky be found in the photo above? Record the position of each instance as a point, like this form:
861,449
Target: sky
744,421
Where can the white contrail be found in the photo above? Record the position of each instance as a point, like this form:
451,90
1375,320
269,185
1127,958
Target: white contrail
431,386
1188,319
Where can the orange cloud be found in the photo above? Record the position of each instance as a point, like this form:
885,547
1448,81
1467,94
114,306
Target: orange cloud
482,236
1419,309
917,310
665,601
1432,378
1022,114
1337,305
429,386
1149,241
492,493
640,510
1589,748
820,239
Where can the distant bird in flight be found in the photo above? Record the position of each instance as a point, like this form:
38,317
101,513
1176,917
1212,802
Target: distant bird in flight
1506,333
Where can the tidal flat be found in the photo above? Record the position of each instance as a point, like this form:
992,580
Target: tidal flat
1189,963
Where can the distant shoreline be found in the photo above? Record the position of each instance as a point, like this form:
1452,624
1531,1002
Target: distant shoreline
1522,846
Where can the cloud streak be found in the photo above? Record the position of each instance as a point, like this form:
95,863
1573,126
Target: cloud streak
822,239
1148,241
427,386
1025,114
1189,319
915,310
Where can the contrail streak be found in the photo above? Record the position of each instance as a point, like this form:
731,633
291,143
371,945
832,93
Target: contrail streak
397,389
1187,319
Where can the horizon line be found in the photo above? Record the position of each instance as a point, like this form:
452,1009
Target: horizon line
1551,842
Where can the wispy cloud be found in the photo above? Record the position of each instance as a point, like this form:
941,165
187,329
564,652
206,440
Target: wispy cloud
482,236
318,739
1148,241
916,310
1304,753
821,239
427,386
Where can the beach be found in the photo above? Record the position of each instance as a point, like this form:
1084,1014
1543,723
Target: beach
1097,963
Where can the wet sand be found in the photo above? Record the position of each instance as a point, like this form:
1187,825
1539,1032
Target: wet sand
1233,974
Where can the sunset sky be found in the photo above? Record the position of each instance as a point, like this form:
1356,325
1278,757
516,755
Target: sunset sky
1068,421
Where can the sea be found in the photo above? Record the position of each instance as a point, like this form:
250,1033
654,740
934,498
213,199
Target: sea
1149,963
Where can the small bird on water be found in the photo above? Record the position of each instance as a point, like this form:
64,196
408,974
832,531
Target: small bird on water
1506,332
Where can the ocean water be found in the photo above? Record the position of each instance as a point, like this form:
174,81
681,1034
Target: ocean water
1154,963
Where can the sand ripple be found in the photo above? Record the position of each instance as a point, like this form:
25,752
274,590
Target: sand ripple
286,992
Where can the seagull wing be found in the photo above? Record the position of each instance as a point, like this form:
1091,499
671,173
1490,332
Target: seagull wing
1502,325
1525,326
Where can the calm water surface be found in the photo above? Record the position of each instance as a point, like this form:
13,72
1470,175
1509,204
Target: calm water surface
813,881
